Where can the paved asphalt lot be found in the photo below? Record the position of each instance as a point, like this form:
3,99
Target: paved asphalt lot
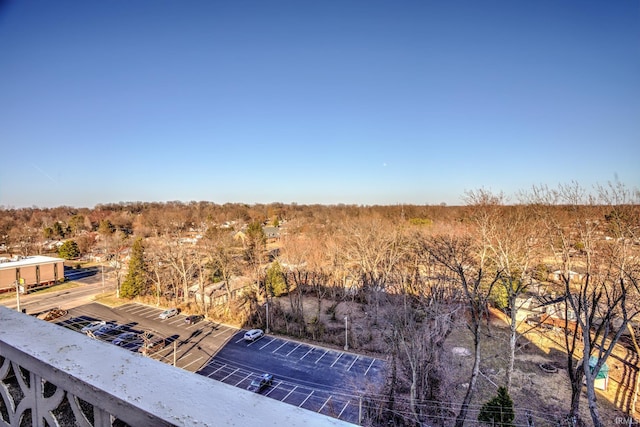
315,378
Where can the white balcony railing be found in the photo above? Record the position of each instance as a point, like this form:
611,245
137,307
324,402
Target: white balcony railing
50,375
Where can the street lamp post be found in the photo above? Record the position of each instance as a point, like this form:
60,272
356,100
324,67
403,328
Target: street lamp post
103,276
346,336
267,307
17,296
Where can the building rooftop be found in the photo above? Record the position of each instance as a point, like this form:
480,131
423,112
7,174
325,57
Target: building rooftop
23,261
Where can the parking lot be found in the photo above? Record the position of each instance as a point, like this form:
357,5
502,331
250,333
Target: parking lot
318,379
315,378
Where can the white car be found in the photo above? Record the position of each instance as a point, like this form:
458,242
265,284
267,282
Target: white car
253,334
93,326
168,313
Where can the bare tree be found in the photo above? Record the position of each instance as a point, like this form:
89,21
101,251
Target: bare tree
421,322
509,234
599,271
182,257
223,258
373,250
463,262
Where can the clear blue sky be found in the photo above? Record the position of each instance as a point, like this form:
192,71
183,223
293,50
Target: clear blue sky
364,102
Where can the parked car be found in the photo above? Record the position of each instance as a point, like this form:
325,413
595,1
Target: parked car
168,313
253,334
194,318
93,326
108,331
261,382
125,338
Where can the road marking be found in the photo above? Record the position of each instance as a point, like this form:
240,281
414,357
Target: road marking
345,407
221,366
222,332
334,362
353,363
238,383
237,369
294,349
292,390
305,355
255,341
189,364
324,404
266,344
240,340
326,351
273,388
305,400
283,344
367,371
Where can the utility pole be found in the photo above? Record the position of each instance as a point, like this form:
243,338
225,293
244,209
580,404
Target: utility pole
17,295
267,307
346,335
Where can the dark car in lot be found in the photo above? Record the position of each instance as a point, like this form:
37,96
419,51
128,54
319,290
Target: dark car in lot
260,383
108,331
126,338
194,318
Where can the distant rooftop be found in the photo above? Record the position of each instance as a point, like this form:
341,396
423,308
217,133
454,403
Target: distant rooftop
22,261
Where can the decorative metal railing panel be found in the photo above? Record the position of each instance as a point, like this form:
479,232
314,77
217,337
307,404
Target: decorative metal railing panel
28,399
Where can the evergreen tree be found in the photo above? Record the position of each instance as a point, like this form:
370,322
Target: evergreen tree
136,279
69,250
58,230
275,280
499,410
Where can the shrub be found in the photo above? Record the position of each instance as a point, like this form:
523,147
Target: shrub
498,411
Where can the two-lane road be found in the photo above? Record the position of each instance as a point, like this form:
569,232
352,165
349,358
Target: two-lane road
88,286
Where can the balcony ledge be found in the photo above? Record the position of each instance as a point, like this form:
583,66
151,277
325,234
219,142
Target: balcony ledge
135,389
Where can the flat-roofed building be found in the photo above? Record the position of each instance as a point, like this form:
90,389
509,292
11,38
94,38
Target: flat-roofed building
30,272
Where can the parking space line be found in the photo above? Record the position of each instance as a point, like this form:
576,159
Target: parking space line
345,407
283,344
189,364
267,344
372,360
292,390
324,404
237,369
325,352
305,400
305,355
240,340
221,366
294,349
334,362
273,388
248,375
222,332
255,341
353,363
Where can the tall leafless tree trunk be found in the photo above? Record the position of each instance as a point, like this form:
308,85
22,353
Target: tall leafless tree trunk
463,263
509,235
